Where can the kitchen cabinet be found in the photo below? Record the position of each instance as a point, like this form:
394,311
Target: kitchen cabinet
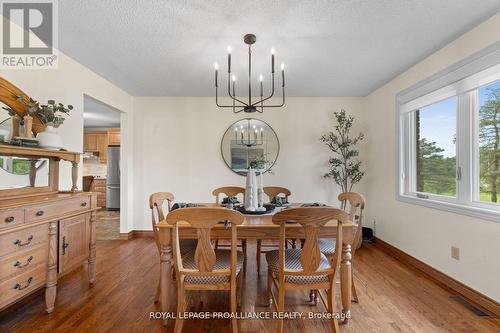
114,136
96,142
91,142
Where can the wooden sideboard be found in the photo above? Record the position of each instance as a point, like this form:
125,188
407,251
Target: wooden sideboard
44,233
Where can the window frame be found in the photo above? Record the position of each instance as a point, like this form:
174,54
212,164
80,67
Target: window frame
463,80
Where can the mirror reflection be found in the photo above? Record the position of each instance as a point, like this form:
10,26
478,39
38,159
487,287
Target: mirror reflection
5,124
250,143
21,172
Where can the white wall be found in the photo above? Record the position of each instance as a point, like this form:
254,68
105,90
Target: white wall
178,149
425,233
68,84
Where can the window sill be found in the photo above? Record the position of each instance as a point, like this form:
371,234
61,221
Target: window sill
473,211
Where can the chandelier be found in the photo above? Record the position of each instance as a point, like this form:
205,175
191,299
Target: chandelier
250,106
250,136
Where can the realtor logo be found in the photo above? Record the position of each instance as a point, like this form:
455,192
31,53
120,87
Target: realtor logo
29,34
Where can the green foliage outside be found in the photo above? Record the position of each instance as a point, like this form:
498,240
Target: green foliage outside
489,146
436,173
20,166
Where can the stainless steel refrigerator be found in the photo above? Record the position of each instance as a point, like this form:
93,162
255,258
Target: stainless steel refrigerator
113,179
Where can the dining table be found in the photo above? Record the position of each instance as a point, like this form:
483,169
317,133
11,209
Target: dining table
254,227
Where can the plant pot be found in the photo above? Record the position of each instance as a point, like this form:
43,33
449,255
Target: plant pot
50,138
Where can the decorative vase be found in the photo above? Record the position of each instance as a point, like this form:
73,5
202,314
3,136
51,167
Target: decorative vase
50,138
250,191
16,123
28,127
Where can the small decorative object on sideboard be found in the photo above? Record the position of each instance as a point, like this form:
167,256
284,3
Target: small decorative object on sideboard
50,138
49,115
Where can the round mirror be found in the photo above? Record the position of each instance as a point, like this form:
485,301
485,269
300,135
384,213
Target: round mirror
250,143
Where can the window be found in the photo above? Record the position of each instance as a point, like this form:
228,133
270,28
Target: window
489,143
448,136
435,151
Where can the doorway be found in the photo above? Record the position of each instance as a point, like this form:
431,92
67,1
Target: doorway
101,163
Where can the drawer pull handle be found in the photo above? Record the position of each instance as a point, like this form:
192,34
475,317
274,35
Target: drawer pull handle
64,245
39,213
84,204
19,265
9,219
20,287
19,243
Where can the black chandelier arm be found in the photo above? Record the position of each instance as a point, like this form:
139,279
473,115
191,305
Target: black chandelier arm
268,97
280,105
238,111
229,92
217,101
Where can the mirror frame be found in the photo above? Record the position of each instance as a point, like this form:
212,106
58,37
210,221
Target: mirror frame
231,127
8,96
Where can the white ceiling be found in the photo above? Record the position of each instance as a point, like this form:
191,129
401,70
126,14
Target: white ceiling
97,114
331,48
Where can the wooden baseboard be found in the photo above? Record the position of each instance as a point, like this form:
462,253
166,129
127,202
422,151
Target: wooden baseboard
485,303
136,234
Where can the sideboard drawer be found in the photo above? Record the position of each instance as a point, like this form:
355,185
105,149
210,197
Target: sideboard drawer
23,261
43,212
11,217
22,284
23,239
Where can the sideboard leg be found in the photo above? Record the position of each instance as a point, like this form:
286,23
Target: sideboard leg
92,250
74,176
51,286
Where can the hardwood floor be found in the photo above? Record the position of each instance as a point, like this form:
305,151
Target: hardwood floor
393,298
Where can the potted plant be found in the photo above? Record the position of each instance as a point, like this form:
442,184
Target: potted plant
50,114
345,168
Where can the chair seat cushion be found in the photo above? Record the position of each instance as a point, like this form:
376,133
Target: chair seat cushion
223,261
292,261
327,246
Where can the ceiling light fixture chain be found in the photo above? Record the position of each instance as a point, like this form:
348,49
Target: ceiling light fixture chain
249,107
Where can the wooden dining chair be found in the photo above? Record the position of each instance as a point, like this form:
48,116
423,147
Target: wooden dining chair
355,203
206,268
271,192
230,191
306,268
160,203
